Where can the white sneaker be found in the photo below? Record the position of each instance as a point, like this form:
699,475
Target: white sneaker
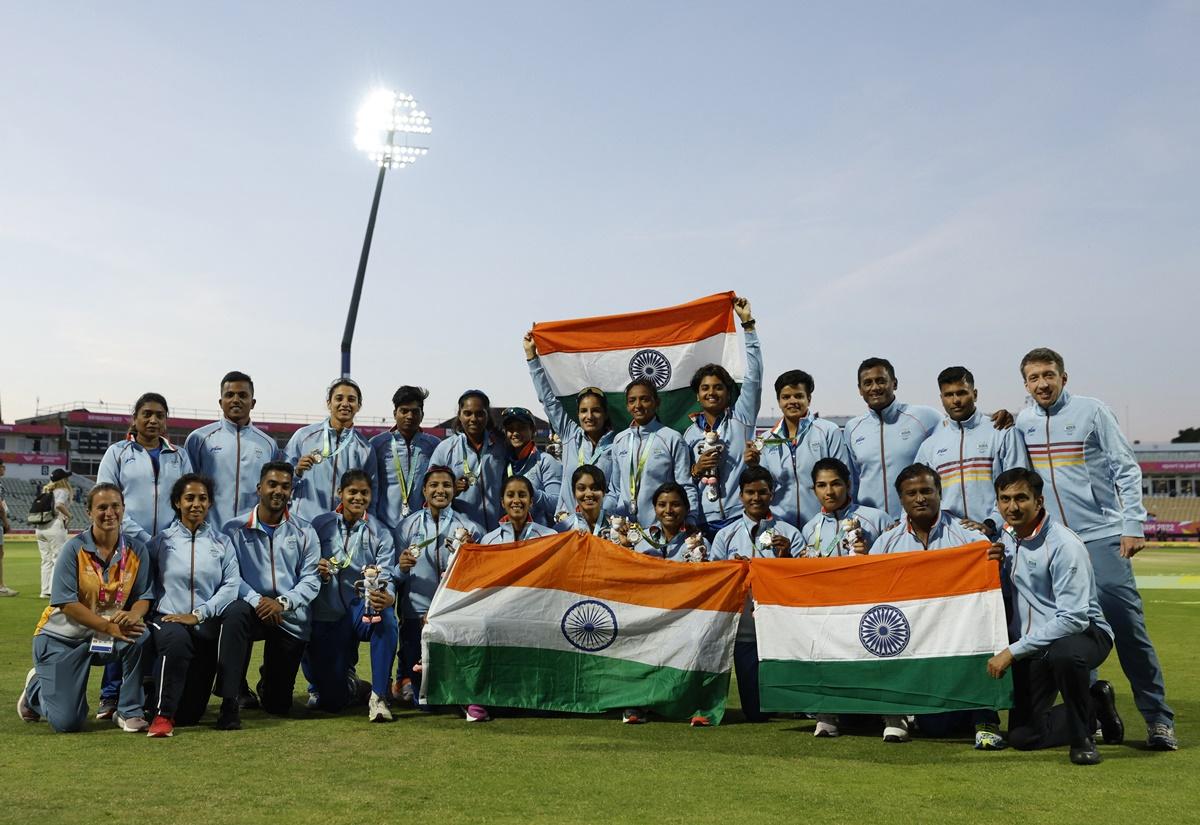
313,700
895,729
825,729
7,591
26,713
377,709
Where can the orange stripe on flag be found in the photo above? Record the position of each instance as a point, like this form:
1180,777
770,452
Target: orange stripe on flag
591,566
893,577
680,324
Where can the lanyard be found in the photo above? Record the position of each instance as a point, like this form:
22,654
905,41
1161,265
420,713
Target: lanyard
405,481
835,549
579,522
635,475
352,539
108,586
342,443
599,450
436,541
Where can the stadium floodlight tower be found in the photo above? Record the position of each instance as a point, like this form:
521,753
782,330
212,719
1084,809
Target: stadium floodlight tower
386,124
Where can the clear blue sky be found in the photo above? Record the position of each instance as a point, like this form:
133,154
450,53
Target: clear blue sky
935,182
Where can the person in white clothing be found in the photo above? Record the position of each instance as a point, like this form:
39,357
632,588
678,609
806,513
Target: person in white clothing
5,527
53,535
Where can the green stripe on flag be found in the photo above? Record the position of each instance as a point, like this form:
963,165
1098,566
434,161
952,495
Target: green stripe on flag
883,686
540,679
673,410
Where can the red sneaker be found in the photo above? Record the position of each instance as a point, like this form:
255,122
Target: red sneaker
161,727
699,721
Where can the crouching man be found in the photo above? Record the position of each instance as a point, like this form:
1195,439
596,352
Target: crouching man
1063,634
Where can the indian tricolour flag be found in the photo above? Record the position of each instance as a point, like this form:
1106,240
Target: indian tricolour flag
575,623
664,345
892,634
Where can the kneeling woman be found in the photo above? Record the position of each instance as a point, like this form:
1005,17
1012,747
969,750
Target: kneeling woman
358,590
517,524
588,488
99,593
424,544
196,579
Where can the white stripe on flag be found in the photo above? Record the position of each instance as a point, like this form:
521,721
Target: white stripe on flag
953,626
569,372
534,617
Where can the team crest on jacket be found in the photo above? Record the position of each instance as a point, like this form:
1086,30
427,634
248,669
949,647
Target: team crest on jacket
905,434
650,364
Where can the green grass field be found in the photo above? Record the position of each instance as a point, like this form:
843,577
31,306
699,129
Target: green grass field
583,769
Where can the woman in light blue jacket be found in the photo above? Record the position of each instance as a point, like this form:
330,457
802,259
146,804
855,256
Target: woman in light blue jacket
586,439
323,452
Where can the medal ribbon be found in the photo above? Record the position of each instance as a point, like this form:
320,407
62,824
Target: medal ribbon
635,475
343,441
108,586
352,539
468,473
401,478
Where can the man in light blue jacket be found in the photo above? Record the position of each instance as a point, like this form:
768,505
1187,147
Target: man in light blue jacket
1094,487
1060,631
885,439
277,559
969,451
232,451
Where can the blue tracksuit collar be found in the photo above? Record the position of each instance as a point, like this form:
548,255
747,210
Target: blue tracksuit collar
700,419
163,444
178,526
935,532
763,526
253,522
1035,539
1057,406
970,424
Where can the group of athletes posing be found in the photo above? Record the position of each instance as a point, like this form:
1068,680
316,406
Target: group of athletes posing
339,539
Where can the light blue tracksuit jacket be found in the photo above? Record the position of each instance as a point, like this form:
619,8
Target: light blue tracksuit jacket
946,533
481,501
194,571
790,462
667,458
741,539
147,493
881,445
577,447
233,457
400,465
1093,483
504,534
823,533
278,563
1055,588
733,429
422,530
365,543
968,455
315,493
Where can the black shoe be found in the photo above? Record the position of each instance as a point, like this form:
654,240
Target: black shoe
1105,702
247,700
230,718
1086,754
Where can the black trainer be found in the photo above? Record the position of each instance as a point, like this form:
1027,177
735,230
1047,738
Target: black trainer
1105,701
230,717
1085,754
246,698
